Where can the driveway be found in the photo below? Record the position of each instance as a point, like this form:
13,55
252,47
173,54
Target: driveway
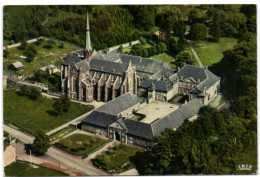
195,53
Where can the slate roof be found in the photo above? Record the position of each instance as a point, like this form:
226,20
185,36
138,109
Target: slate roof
83,65
144,64
163,73
100,119
79,53
71,60
139,129
211,79
108,66
119,104
176,118
192,71
163,86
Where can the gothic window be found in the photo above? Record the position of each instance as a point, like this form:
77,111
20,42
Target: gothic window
74,84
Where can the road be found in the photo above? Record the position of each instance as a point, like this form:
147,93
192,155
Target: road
195,53
70,161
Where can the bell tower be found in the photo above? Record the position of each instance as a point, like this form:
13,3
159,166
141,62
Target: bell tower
88,48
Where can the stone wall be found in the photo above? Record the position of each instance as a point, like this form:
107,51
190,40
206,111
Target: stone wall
94,129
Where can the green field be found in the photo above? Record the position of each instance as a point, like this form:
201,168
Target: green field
23,169
165,57
62,133
211,52
79,144
117,159
31,115
43,57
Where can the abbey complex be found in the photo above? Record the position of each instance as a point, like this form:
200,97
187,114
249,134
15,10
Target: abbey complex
120,80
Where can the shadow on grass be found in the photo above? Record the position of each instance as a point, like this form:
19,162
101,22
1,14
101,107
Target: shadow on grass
139,161
52,112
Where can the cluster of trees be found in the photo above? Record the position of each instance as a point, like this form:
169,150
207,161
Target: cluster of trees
52,80
28,50
213,143
184,57
61,105
140,50
32,93
222,21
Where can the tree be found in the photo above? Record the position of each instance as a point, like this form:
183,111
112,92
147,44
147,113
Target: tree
61,45
66,103
163,46
6,53
24,90
198,31
154,50
58,106
215,27
168,18
184,57
29,56
180,44
35,93
145,52
41,142
196,16
120,49
158,48
23,45
142,41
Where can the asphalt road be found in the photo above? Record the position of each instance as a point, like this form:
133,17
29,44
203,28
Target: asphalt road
68,160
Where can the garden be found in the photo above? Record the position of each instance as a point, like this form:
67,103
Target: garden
118,159
79,144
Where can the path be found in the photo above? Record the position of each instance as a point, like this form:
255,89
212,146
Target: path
68,160
195,53
76,120
132,172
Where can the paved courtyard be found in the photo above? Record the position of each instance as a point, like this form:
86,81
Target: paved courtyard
155,110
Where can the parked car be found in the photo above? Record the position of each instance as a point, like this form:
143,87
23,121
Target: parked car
84,156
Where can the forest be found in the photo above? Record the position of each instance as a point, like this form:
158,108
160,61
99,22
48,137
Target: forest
216,141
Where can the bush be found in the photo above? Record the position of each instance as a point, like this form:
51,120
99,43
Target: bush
61,45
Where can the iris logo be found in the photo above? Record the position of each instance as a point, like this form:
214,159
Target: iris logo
244,167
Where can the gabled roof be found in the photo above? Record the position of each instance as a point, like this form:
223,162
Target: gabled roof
139,129
212,79
119,104
108,66
100,119
192,71
177,117
163,73
83,65
144,64
71,60
163,86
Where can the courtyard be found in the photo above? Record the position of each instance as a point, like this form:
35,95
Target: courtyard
156,110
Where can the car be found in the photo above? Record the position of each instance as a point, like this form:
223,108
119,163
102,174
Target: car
84,156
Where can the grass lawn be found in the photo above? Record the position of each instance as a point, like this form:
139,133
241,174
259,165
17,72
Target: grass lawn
117,159
43,57
249,157
79,144
31,115
24,169
165,57
211,52
62,133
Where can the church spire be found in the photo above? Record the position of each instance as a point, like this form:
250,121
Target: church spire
88,49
